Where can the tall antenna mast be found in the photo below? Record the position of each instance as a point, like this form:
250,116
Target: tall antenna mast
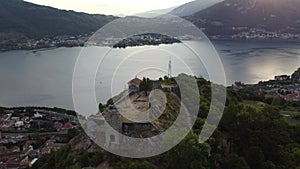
170,68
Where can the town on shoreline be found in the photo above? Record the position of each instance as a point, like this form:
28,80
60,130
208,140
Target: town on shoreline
139,40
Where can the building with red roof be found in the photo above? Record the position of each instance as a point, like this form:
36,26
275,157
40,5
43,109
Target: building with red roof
33,154
134,84
50,141
46,150
291,97
68,126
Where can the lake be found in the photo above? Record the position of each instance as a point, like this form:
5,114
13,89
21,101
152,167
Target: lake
44,77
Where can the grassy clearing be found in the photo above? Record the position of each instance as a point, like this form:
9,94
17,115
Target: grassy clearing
288,111
254,104
293,122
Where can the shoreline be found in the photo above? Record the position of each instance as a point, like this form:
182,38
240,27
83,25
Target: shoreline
211,39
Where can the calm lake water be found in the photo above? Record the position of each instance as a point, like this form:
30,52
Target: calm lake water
44,78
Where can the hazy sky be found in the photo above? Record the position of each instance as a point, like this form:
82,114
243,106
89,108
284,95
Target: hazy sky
115,7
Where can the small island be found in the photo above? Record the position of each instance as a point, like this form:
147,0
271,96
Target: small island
146,39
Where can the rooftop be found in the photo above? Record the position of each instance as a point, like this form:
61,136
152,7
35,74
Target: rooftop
136,81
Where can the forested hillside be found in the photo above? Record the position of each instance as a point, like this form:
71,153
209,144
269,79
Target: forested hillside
20,19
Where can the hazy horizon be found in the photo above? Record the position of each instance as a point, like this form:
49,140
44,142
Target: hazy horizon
111,7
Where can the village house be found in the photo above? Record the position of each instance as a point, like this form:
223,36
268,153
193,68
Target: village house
68,126
37,115
46,150
19,124
291,97
33,154
133,85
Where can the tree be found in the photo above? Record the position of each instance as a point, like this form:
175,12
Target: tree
265,129
269,165
276,101
204,107
255,157
189,154
96,159
134,165
145,85
296,75
84,159
110,102
233,161
101,107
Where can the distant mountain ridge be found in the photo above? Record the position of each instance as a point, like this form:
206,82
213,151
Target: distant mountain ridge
232,17
193,7
154,13
20,19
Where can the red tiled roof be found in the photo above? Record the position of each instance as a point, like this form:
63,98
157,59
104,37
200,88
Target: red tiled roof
28,143
12,160
46,150
272,95
68,126
33,152
136,81
290,97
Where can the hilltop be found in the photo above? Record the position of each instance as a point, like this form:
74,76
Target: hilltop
255,132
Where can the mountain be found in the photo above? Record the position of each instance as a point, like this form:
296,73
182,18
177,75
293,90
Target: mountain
154,13
23,20
232,17
193,7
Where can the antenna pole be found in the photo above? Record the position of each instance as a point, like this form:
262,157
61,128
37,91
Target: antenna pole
170,68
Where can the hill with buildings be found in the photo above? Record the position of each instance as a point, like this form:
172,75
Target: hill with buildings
256,132
250,19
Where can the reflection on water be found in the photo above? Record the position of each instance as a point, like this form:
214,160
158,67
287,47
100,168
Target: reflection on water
44,78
